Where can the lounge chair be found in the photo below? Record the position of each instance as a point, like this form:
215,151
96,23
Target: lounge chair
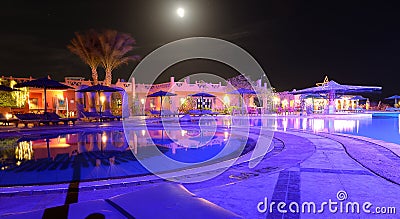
56,118
91,116
28,118
35,119
109,116
154,113
200,112
6,121
99,117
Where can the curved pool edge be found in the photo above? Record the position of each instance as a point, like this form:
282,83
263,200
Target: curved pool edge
294,150
114,182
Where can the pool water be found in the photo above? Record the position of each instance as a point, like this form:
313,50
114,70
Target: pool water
105,154
382,128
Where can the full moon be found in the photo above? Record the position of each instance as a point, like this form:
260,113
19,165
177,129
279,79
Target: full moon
180,12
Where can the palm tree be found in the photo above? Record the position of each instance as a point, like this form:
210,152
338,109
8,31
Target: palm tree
85,46
113,50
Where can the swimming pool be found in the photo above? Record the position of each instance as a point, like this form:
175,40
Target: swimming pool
104,153
386,128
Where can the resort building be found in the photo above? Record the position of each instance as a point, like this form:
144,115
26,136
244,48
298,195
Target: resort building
68,102
326,97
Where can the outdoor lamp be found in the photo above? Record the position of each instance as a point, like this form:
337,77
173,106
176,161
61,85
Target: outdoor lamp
8,116
102,99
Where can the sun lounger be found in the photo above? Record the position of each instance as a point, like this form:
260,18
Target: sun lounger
56,118
28,118
109,116
100,117
91,116
202,112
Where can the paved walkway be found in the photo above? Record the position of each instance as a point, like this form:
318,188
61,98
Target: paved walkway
303,167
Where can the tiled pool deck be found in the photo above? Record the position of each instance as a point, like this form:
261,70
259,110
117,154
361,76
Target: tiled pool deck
303,167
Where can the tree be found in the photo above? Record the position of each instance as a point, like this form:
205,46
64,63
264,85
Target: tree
187,105
113,49
85,45
241,81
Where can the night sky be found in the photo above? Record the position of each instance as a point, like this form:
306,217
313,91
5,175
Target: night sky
296,42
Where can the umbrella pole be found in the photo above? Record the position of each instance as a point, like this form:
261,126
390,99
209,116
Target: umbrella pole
241,104
101,105
160,105
45,100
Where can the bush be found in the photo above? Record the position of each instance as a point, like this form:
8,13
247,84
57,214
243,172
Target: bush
187,105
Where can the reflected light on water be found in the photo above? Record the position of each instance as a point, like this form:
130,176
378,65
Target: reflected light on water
296,124
104,137
24,151
318,125
344,125
304,124
226,135
285,124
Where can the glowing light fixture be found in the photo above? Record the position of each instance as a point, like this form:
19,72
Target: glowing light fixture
102,99
8,116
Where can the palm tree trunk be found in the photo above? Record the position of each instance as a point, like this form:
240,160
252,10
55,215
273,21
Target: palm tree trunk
95,76
108,78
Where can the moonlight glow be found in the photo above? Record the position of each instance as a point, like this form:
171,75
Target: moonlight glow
180,12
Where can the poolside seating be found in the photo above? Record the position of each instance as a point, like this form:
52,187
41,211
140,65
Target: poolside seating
95,116
109,116
156,113
208,112
28,118
56,118
6,121
200,112
90,116
37,119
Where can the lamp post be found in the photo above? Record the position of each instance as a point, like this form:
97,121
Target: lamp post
143,102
